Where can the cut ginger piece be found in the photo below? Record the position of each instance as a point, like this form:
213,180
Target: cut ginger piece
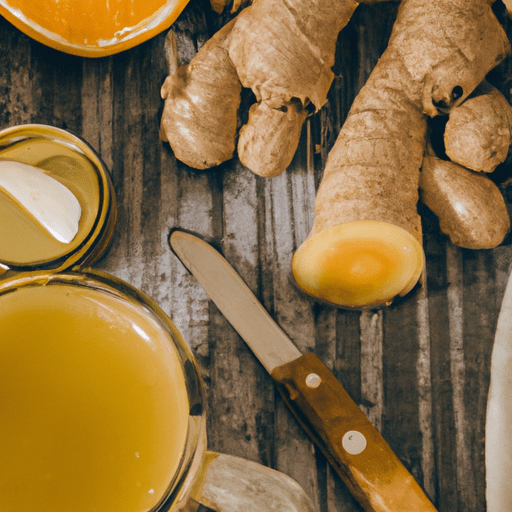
359,264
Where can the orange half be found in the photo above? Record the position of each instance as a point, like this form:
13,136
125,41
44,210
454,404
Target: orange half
92,28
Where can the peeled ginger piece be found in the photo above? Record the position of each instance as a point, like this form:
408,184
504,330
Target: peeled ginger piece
498,441
359,264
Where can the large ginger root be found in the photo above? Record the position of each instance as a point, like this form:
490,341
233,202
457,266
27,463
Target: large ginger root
283,50
479,131
470,207
438,53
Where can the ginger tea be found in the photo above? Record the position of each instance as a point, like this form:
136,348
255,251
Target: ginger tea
93,404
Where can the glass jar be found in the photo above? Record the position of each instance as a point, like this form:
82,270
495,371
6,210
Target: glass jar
102,401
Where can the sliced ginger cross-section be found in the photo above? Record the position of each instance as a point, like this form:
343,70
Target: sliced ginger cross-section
359,264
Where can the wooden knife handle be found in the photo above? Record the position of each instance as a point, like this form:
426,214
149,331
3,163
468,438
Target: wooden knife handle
355,448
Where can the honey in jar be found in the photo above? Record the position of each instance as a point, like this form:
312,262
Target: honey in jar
94,406
101,400
97,387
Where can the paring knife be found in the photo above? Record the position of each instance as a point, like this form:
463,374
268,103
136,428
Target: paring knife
354,447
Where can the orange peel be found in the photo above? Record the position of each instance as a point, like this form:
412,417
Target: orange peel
92,28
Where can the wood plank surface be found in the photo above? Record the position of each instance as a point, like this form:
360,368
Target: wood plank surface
419,370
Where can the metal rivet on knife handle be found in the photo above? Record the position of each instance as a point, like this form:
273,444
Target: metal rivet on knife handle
313,380
354,447
354,442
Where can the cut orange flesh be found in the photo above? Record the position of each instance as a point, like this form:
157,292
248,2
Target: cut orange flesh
359,264
92,28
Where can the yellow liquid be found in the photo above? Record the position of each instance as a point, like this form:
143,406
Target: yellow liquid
22,240
93,405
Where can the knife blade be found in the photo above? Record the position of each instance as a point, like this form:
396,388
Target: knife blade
355,448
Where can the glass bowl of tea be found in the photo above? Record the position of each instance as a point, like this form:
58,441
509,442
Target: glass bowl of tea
101,400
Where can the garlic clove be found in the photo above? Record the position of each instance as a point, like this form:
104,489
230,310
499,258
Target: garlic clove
46,200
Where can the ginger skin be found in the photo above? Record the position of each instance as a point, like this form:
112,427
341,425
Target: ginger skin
479,131
282,50
437,55
260,142
470,207
200,128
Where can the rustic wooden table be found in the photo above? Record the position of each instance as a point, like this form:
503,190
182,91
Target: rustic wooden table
420,370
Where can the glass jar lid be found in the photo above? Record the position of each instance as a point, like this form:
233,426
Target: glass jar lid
69,160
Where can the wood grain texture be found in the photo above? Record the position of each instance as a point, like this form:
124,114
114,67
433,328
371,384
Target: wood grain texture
420,369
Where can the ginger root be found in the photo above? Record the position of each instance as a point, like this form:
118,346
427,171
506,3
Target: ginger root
438,53
283,50
470,207
479,131
201,128
477,136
